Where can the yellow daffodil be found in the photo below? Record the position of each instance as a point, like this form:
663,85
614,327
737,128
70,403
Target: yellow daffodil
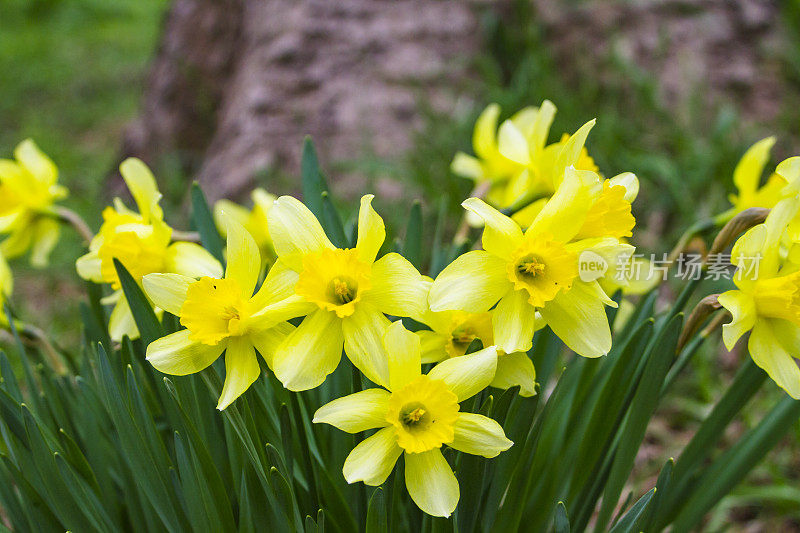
220,315
141,242
417,414
766,301
453,331
6,287
28,191
345,294
254,220
537,270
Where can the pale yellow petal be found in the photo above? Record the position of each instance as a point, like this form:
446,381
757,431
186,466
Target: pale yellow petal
515,369
479,435
511,143
541,127
571,151
747,174
431,346
143,188
501,235
121,323
363,342
565,212
484,138
371,231
467,166
397,287
469,374
231,209
295,231
191,259
89,267
278,285
578,318
244,258
373,459
268,341
178,355
403,349
44,239
474,282
630,182
36,162
431,483
773,346
241,370
356,412
743,310
310,352
513,322
167,291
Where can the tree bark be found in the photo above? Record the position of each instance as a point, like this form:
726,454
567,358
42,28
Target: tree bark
236,84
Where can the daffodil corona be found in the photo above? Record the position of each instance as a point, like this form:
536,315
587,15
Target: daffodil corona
28,191
220,315
344,293
417,415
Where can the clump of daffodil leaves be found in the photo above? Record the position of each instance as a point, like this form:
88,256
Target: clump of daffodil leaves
281,295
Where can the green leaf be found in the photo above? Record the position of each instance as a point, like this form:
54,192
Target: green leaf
149,327
376,513
331,221
412,247
561,522
204,222
313,181
627,523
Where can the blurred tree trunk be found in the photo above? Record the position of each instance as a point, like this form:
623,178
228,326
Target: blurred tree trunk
237,83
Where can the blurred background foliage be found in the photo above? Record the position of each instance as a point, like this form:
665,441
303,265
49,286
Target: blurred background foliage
71,77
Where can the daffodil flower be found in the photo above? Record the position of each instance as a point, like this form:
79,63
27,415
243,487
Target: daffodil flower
766,301
345,294
453,331
417,414
254,220
521,273
141,241
220,315
28,191
6,288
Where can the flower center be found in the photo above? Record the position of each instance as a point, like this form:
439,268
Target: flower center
423,414
214,310
334,280
465,328
542,267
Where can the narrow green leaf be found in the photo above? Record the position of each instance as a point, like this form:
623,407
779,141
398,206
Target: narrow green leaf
376,513
412,247
331,221
313,181
149,327
627,523
204,222
561,522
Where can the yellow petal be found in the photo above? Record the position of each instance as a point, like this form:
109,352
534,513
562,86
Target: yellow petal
773,345
479,435
36,162
286,309
143,188
356,412
501,235
373,459
363,342
241,370
397,287
513,322
225,208
121,323
541,127
466,166
403,349
310,353
244,258
89,267
484,140
432,346
191,259
431,483
17,243
571,151
278,285
743,309
747,174
630,182
295,231
178,355
44,239
565,212
167,291
515,369
469,374
371,232
474,282
578,318
269,340
789,170
512,144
